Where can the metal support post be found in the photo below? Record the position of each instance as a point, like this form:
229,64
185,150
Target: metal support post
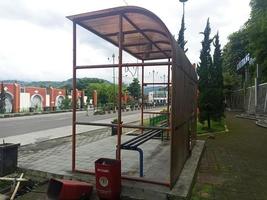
256,88
114,98
168,98
120,37
142,99
74,100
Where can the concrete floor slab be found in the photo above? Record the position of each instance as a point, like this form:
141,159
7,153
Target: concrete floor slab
53,159
90,148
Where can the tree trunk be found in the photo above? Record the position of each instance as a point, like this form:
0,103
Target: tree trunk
209,120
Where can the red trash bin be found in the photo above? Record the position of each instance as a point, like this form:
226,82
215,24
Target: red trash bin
108,178
68,189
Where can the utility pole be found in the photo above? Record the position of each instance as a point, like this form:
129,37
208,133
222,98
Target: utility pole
164,88
153,87
153,81
256,87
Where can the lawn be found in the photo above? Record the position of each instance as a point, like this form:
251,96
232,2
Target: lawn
216,126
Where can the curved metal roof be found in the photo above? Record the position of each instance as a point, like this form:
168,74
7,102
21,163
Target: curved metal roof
145,36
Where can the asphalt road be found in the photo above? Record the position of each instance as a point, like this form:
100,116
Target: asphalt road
21,125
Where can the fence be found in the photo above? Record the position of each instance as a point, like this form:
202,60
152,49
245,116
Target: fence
157,119
250,101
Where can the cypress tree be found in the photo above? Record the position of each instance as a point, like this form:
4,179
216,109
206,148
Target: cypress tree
2,99
205,81
181,41
217,81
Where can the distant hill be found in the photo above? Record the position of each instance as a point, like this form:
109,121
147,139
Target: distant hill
81,83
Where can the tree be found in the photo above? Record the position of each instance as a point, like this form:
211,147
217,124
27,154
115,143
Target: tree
234,51
105,92
204,73
135,89
181,41
217,81
66,102
257,31
2,99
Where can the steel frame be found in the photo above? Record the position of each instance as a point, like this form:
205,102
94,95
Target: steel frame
120,65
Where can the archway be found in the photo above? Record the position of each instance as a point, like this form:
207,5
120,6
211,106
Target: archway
36,102
59,100
9,102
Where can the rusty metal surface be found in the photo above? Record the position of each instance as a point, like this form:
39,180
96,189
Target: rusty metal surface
143,35
183,110
124,65
119,131
74,97
142,98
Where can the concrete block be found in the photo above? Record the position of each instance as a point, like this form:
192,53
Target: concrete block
183,187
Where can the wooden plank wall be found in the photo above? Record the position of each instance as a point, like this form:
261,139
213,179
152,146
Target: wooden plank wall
183,113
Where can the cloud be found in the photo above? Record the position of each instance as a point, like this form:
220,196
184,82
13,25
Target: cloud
18,10
36,38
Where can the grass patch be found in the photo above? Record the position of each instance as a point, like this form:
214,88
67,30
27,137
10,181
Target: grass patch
216,126
202,192
4,185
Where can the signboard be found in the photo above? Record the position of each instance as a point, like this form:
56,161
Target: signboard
243,62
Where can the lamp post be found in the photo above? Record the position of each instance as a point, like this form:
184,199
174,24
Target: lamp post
164,76
114,88
153,78
183,1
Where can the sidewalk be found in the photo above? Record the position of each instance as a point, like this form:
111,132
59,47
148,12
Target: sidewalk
22,114
49,134
54,156
234,166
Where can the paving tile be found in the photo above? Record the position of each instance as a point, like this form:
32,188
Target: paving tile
57,158
235,162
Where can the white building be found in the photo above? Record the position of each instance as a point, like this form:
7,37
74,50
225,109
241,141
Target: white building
158,97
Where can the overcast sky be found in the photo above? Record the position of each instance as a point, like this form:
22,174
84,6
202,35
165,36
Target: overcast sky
36,38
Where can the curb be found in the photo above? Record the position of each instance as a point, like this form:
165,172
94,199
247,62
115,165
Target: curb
261,124
259,120
226,130
12,115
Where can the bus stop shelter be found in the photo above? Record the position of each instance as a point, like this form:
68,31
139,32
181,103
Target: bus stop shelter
143,35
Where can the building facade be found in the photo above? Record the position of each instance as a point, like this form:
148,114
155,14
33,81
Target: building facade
159,97
25,99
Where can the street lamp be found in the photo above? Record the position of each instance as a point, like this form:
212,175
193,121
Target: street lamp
153,73
164,90
183,1
114,88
